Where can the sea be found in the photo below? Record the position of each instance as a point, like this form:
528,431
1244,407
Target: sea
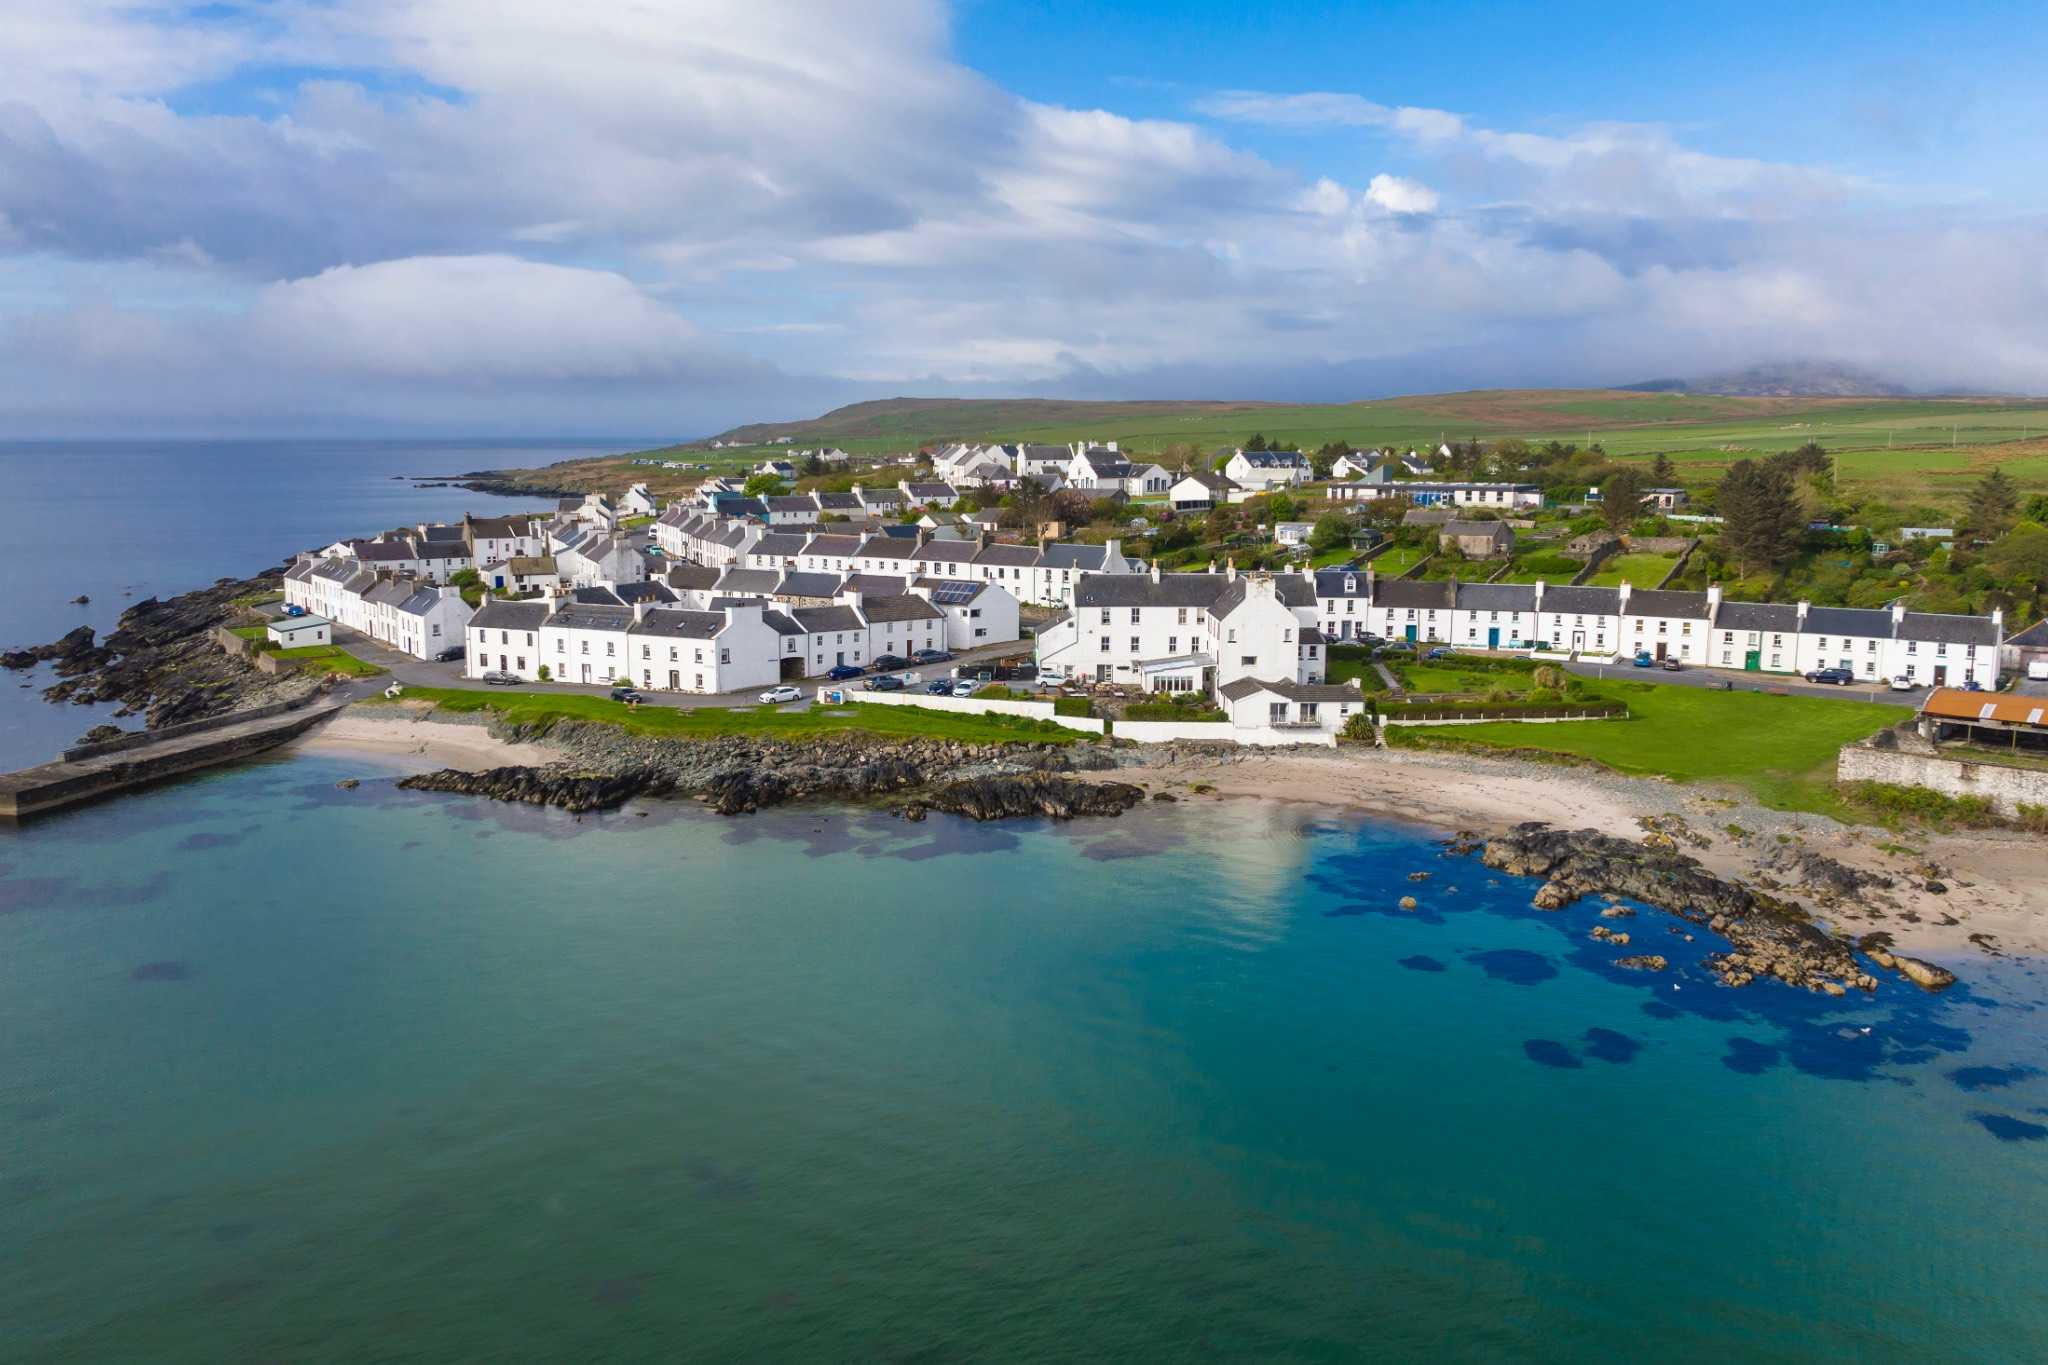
298,1071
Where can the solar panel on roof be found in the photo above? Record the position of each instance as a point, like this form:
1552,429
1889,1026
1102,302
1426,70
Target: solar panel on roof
953,594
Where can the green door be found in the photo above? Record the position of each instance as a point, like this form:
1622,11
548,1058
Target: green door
1753,660
1411,635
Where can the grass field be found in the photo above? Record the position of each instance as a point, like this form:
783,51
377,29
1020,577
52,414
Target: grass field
1642,571
1781,749
1396,560
328,659
540,710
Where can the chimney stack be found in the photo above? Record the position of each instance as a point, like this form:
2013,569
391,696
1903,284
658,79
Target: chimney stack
639,611
1155,571
1230,569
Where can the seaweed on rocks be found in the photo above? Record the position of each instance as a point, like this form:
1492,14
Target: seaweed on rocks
1768,937
576,790
1024,794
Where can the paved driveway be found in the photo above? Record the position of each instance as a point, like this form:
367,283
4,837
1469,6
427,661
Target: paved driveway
1741,681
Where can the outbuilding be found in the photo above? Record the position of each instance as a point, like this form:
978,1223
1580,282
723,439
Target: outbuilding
301,632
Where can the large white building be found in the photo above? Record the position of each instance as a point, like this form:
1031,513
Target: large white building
1262,471
407,613
1188,632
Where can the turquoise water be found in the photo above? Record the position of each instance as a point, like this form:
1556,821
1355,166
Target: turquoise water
295,1073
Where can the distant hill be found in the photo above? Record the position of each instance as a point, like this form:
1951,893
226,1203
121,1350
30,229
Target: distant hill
1795,379
923,419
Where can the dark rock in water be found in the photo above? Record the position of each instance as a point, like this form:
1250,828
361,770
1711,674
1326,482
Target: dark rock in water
74,650
1768,937
161,971
100,734
1990,1077
1610,1046
569,788
1420,963
349,784
1516,965
1006,797
1550,1053
1643,962
2006,1128
81,601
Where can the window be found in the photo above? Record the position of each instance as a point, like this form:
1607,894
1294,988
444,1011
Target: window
1249,660
1104,646
646,653
609,651
1134,616
1173,644
1105,616
1134,644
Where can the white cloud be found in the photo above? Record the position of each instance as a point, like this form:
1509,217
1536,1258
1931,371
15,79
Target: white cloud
1396,195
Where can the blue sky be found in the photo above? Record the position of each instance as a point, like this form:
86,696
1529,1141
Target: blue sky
517,216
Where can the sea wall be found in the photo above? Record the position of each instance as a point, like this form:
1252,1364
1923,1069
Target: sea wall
2005,788
52,786
970,706
142,738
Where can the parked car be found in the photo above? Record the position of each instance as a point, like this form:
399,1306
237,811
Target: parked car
1972,685
1054,675
450,654
499,679
776,696
1672,666
938,688
1840,677
884,663
294,610
841,672
964,689
931,656
1440,652
1902,683
886,682
626,694
1645,659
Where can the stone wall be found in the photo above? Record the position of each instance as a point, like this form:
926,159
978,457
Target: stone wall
1903,759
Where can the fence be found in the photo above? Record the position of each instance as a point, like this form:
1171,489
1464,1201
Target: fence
966,706
1465,715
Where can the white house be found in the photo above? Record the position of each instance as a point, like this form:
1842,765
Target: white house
777,469
976,613
1188,632
1261,471
1290,707
504,637
301,632
638,502
930,494
431,621
1198,490
1292,533
1359,467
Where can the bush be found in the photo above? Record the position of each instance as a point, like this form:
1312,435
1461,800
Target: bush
1073,706
1548,678
1360,728
544,674
1193,709
1892,803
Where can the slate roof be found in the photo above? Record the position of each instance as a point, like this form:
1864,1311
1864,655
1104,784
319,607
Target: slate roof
832,545
441,534
818,619
596,597
1292,589
759,582
901,607
1497,596
808,583
650,591
1412,592
1008,556
1293,691
1672,602
385,551
793,502
947,552
692,577
1274,459
880,584
1949,630
495,528
1138,590
837,502
499,614
1570,601
1873,623
925,492
300,571
1214,480
1777,617
587,616
1330,582
787,544
2033,637
421,602
676,624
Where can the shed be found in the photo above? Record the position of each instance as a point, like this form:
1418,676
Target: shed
300,632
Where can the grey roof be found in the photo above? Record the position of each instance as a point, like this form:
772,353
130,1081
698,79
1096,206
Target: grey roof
1494,530
794,502
1044,452
596,597
499,614
878,583
1009,556
421,602
780,623
947,551
1870,622
832,545
1274,459
439,533
1672,602
1412,592
900,607
384,551
1138,590
817,619
300,571
760,582
1068,555
1772,616
686,625
2033,637
1293,691
1427,516
586,616
692,577
495,528
1330,583
650,591
1949,630
787,544
360,582
837,502
1215,480
389,593
931,490
1497,596
1570,601
1292,589
881,547
901,531
810,583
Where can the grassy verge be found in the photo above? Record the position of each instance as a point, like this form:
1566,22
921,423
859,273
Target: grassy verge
328,659
541,710
1642,571
1781,749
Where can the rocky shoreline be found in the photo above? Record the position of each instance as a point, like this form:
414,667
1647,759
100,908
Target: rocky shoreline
733,775
1769,937
160,661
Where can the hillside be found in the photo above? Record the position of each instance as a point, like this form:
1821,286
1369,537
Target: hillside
1794,379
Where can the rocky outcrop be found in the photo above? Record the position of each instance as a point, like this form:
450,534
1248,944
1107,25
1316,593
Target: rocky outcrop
559,785
160,661
1768,937
1024,794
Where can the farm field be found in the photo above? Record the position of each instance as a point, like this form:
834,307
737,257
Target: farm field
1396,560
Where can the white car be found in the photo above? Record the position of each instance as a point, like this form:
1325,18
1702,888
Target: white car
1902,683
775,696
963,689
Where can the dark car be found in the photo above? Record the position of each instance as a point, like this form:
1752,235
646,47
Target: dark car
885,662
887,682
940,688
450,654
1841,677
931,656
1671,666
841,672
496,679
1440,653
626,694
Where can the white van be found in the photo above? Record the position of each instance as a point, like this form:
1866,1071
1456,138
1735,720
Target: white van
2038,670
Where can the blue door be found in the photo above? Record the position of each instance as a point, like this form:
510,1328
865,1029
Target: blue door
1493,637
1411,635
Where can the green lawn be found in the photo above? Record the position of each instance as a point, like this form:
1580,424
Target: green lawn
250,632
1781,749
328,659
1642,571
543,709
1396,560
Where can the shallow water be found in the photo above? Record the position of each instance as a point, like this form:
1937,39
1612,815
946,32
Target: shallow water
299,1073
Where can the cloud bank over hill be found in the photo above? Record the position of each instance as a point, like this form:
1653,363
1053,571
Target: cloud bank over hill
496,214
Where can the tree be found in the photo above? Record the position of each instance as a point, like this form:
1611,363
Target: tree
1993,505
1333,531
1762,522
1662,470
1257,442
813,466
1621,498
2037,508
1222,521
764,486
1281,507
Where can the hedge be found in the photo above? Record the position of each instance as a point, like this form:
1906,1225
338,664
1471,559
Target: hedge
1497,710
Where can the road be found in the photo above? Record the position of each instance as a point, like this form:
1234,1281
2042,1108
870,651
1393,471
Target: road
419,673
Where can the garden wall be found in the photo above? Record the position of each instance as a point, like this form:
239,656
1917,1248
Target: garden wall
2005,788
969,706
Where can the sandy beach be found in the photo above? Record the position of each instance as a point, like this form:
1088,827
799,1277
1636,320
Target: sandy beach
1993,903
